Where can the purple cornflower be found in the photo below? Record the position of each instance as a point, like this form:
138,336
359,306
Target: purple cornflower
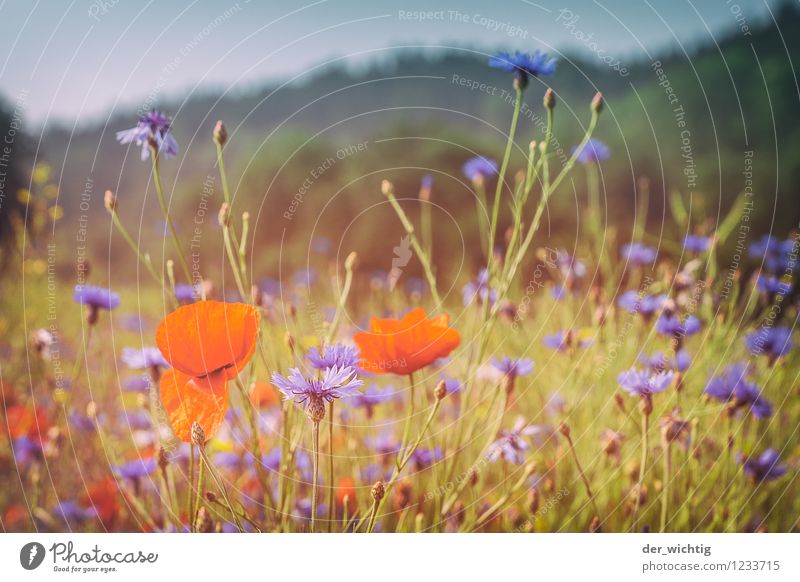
185,293
479,168
153,125
673,326
96,297
657,362
140,383
595,151
424,458
426,183
694,243
511,444
645,305
773,286
333,356
313,393
642,383
72,513
371,397
570,267
321,245
479,290
765,467
136,468
773,342
524,65
773,252
638,253
513,367
146,358
564,340
452,385
731,386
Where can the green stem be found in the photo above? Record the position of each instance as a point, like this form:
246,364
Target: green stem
642,465
330,470
665,490
165,211
315,441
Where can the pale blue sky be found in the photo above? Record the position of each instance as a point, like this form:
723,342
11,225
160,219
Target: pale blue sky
82,59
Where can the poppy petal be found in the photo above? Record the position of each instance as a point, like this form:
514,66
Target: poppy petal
188,400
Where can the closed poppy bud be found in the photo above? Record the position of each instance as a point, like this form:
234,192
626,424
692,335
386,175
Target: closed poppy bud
224,215
440,391
211,497
597,102
563,428
387,188
351,262
220,134
550,99
203,523
110,201
198,434
377,492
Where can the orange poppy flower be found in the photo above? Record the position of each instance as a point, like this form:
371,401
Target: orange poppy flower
263,395
102,496
403,346
207,343
346,488
27,421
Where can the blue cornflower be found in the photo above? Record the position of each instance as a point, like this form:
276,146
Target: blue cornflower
72,513
479,290
333,355
524,65
153,125
511,444
424,458
426,183
773,286
321,245
593,152
371,397
772,251
645,305
657,361
638,253
731,386
513,367
570,267
139,383
136,468
185,293
96,297
642,383
563,341
765,467
694,243
146,358
773,342
672,325
452,385
479,168
305,277
313,393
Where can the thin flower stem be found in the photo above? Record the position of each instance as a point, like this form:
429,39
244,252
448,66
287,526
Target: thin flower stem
190,490
232,259
165,211
642,465
198,502
341,304
409,418
144,259
501,177
586,483
421,254
330,469
221,486
315,440
494,509
665,491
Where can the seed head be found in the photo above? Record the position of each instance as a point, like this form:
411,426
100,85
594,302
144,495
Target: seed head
198,434
378,491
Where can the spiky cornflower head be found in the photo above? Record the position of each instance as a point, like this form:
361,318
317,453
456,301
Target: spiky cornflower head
645,305
638,253
513,368
95,299
764,467
479,290
672,325
313,393
524,65
638,382
695,243
594,152
333,356
732,386
773,342
511,445
479,169
153,126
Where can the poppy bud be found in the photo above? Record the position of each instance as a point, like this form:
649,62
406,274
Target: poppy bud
440,391
387,188
550,99
473,477
224,215
377,492
351,262
220,134
198,434
203,523
563,428
597,103
211,497
110,201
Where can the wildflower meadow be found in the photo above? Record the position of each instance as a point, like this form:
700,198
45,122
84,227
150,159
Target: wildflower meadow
638,378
